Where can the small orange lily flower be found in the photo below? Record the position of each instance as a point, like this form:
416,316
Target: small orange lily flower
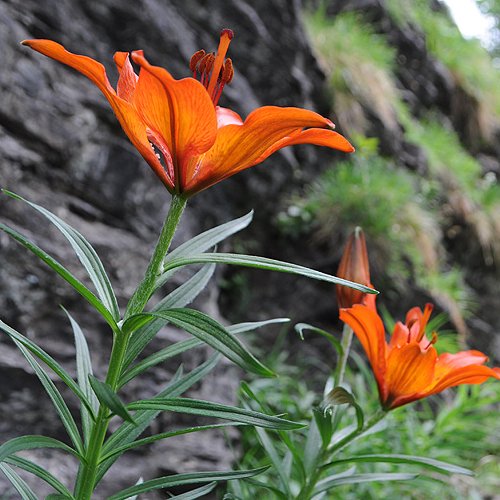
409,368
354,266
176,125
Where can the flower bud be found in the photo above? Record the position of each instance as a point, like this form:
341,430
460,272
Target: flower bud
354,267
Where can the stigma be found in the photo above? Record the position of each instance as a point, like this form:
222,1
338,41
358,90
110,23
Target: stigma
214,70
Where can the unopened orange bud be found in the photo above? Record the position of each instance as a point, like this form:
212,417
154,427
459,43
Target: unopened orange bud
353,267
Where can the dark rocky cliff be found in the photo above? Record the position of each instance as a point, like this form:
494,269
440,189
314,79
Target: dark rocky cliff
61,147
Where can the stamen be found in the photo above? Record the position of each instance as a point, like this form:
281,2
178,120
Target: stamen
433,340
227,72
205,66
195,59
225,39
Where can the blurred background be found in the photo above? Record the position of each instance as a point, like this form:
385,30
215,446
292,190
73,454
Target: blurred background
415,87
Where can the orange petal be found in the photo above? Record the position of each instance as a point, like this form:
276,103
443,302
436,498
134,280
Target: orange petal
127,80
180,110
409,372
399,336
466,367
266,130
369,329
226,116
130,121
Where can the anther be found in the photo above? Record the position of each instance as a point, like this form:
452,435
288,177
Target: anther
432,341
227,71
195,59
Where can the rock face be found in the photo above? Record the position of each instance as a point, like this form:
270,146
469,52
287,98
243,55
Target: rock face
62,148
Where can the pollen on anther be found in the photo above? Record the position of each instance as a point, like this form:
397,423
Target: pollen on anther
195,59
228,71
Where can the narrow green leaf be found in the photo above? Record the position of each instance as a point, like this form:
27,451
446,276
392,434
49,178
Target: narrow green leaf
40,472
340,396
212,333
127,432
55,396
110,399
278,494
265,264
180,297
300,328
64,273
49,361
165,435
188,478
85,253
83,370
324,424
32,442
197,493
328,483
209,409
19,484
313,447
204,241
184,345
430,463
273,455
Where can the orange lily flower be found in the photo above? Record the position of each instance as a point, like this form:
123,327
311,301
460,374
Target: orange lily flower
176,125
409,368
354,266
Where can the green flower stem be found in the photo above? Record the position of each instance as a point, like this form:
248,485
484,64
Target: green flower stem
346,347
146,287
87,473
88,470
375,419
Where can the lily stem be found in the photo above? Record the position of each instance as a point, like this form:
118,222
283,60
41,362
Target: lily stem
146,287
88,471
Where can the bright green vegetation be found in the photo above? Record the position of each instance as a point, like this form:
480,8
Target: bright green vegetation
397,212
469,62
459,427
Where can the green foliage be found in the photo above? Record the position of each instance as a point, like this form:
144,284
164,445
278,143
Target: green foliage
392,207
455,428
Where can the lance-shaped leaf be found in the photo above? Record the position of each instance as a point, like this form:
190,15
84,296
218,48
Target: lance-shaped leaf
55,396
32,442
197,493
188,478
49,361
18,482
40,472
184,345
165,435
64,273
83,370
334,481
300,328
209,331
180,297
204,241
128,432
85,253
262,263
209,409
110,399
430,463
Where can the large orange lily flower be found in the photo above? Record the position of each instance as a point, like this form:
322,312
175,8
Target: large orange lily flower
176,125
409,368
